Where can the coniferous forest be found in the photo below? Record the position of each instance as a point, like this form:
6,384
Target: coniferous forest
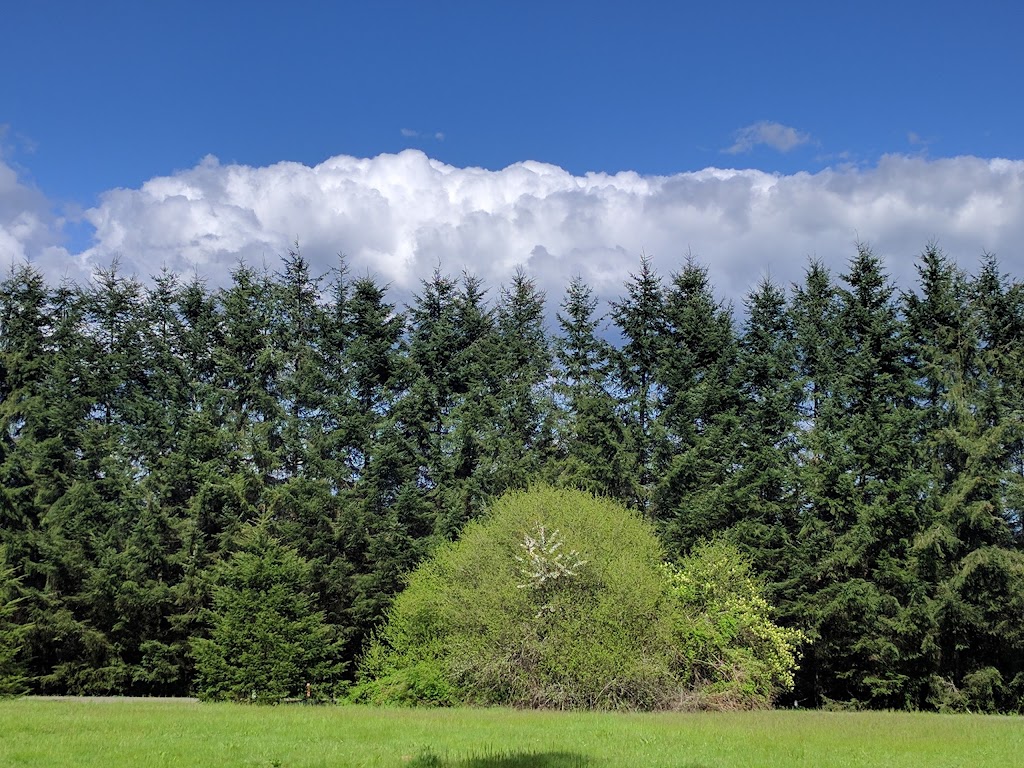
164,444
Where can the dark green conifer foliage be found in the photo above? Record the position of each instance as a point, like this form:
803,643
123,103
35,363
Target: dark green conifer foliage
592,454
239,421
383,524
374,359
865,486
44,419
965,552
696,373
1000,307
333,445
298,322
451,403
763,488
434,344
145,568
162,402
25,317
475,407
93,461
200,434
12,632
640,318
302,497
267,640
866,453
521,439
814,310
815,313
189,477
247,376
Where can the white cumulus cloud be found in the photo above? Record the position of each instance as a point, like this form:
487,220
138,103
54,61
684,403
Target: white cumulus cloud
29,228
400,216
775,135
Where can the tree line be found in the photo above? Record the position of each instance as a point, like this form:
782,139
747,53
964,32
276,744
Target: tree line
861,445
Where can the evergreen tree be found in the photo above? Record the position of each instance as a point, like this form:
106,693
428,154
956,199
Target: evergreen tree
763,488
965,552
337,446
297,324
698,414
246,413
434,344
815,312
866,452
80,457
1000,308
640,319
267,641
146,567
864,483
521,439
475,408
592,454
382,524
25,317
451,404
192,486
12,633
43,469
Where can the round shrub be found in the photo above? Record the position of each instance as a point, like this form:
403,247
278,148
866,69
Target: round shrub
554,598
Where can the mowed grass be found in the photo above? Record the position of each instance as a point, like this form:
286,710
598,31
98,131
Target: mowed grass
145,733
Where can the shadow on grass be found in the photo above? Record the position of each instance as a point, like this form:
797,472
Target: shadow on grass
505,760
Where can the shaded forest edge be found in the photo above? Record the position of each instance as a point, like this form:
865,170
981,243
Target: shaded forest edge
863,447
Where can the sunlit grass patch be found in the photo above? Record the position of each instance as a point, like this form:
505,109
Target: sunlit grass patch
154,733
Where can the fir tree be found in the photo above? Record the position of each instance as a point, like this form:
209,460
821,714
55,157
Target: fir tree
966,547
592,453
640,318
698,414
865,487
383,524
521,441
267,641
297,329
12,632
763,489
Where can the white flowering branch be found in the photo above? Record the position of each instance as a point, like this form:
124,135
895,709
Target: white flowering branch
543,563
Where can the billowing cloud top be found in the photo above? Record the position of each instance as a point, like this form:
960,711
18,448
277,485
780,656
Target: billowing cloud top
400,216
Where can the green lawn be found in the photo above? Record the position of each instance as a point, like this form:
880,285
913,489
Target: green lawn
145,733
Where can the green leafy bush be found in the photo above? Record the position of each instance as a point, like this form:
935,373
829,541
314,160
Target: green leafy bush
735,656
558,599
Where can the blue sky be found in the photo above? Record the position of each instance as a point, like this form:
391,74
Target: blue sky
852,102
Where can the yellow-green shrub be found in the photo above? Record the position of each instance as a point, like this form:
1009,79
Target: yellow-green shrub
554,598
734,655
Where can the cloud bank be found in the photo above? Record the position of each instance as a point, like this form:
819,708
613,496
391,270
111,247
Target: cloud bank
29,230
398,217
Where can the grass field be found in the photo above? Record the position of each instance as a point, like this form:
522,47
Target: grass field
145,733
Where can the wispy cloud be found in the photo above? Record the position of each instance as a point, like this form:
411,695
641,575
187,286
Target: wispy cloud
775,135
915,139
411,133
